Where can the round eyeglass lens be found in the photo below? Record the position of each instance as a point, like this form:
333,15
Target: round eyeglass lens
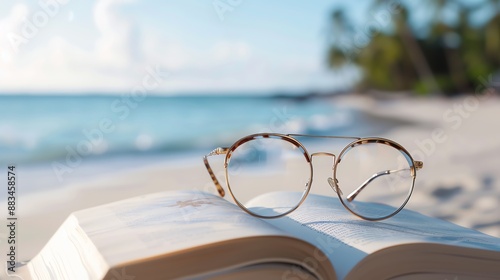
375,178
261,170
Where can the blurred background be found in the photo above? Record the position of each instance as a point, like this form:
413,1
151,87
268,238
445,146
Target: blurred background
135,89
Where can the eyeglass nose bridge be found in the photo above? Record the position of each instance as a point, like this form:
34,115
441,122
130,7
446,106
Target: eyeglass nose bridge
332,182
325,154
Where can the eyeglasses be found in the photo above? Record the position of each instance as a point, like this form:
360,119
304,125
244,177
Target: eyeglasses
373,177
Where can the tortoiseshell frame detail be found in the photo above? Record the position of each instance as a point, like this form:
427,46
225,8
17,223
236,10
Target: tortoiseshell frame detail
414,165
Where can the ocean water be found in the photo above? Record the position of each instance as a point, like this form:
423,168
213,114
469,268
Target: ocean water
100,135
49,128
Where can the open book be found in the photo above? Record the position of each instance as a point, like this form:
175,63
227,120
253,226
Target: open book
188,234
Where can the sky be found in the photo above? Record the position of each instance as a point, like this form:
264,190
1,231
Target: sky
70,46
201,46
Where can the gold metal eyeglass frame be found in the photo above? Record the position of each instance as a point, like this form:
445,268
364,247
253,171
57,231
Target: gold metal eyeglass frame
414,165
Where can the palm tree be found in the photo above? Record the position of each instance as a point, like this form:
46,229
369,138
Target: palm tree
414,51
342,51
449,40
446,57
492,32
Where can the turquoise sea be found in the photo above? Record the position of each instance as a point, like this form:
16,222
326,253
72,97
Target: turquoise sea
44,128
100,134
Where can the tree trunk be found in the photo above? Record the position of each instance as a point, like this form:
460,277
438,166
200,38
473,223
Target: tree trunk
417,57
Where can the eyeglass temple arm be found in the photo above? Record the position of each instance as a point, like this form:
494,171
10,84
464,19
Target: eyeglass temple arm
215,152
352,196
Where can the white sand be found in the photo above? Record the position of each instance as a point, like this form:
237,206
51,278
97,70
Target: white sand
460,180
459,142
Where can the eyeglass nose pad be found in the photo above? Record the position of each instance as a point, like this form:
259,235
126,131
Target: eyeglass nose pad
334,185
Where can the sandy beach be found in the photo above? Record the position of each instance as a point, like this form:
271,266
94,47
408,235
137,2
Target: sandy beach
457,139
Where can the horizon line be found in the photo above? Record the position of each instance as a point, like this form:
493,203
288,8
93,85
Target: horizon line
231,93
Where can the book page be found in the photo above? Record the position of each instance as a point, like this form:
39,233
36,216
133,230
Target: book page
347,239
167,222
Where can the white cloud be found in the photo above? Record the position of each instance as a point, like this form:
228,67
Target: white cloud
10,27
172,55
117,45
120,56
57,65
